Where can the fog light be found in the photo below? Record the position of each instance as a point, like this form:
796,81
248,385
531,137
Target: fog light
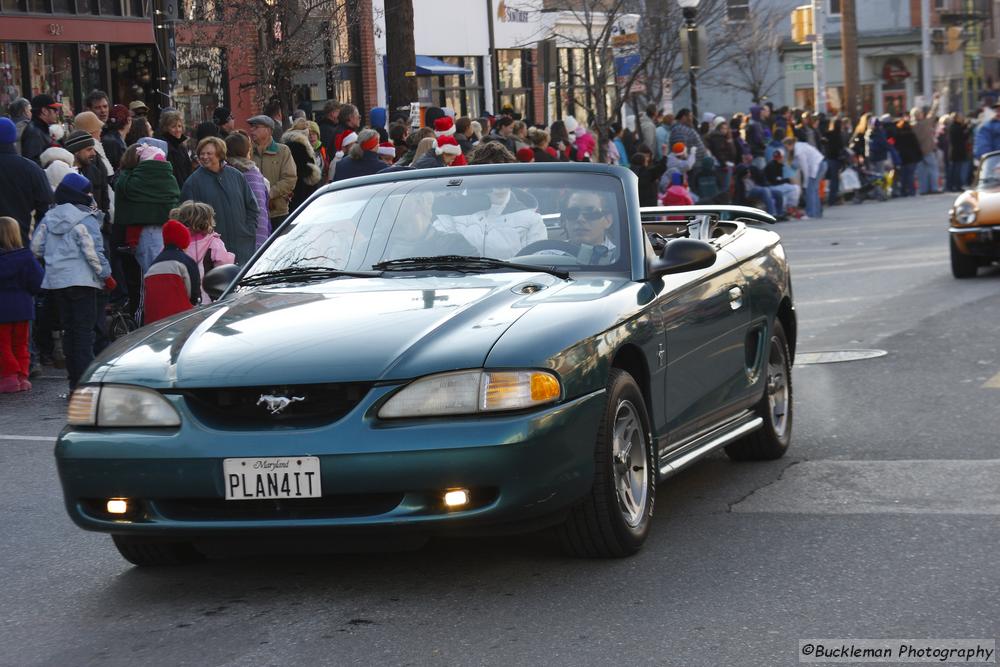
456,497
117,506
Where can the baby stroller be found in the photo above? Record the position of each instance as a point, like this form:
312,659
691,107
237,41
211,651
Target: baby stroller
874,185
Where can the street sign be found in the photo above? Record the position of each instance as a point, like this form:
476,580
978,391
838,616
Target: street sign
625,65
802,67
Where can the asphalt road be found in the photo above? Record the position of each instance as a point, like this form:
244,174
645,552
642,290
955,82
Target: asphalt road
881,522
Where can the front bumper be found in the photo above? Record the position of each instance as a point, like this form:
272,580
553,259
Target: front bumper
981,241
375,474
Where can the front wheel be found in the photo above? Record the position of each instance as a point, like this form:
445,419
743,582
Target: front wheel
150,552
962,265
613,520
771,440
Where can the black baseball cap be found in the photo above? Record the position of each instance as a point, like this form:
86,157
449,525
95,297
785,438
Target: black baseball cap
44,101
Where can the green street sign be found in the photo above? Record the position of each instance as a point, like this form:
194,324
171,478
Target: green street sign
801,66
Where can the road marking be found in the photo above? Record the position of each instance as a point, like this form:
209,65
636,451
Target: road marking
881,487
993,382
885,267
39,438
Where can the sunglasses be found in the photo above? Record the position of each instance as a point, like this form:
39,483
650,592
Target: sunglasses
590,214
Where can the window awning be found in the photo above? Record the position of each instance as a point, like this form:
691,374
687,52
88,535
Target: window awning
427,66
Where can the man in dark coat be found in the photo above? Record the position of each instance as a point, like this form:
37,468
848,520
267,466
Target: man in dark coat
36,138
23,186
328,123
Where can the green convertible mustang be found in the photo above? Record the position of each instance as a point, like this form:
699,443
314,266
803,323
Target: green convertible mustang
461,350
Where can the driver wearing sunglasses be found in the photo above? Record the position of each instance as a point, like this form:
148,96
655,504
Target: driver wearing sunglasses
587,221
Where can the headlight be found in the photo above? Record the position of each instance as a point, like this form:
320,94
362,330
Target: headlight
120,406
965,213
471,392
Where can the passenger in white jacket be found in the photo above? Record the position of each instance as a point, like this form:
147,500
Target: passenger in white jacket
812,165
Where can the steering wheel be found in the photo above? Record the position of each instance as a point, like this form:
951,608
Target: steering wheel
564,248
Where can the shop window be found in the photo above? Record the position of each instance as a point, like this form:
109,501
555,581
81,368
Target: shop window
11,6
39,7
132,73
201,82
461,92
515,75
92,68
51,71
11,74
64,6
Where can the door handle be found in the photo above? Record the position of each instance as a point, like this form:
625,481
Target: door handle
735,297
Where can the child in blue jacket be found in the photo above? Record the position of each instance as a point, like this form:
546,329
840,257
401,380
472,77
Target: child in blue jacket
20,279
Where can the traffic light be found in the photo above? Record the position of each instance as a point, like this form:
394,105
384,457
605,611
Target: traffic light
802,24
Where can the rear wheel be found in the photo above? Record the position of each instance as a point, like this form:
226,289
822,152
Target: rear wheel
962,265
771,440
148,552
613,520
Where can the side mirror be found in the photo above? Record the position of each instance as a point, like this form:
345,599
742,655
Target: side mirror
681,255
218,279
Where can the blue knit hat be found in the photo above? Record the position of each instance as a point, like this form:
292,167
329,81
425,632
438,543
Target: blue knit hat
77,183
8,131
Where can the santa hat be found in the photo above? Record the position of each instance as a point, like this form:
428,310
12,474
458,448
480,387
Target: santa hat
448,146
678,148
387,148
345,139
444,127
176,234
525,155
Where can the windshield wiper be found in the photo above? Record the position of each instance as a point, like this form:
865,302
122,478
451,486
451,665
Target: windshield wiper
302,273
463,263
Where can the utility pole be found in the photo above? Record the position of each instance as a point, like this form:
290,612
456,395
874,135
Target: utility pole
925,48
849,54
401,74
819,53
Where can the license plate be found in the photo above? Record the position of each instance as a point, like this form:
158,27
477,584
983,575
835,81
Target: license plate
277,477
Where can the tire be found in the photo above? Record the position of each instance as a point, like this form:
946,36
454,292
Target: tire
771,440
613,520
962,265
146,552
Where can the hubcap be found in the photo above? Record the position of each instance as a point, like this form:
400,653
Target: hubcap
630,461
777,387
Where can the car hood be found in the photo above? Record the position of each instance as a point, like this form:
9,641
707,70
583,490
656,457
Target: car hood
343,330
988,203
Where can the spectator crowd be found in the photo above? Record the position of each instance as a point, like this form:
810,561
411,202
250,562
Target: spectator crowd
108,219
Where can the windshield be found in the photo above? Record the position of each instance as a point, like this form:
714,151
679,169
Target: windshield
572,221
989,172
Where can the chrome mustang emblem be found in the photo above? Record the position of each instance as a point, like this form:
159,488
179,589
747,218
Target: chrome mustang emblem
277,404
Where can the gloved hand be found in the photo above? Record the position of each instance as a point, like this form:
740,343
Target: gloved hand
110,284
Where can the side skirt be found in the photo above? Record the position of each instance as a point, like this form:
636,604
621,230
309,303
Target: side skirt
689,451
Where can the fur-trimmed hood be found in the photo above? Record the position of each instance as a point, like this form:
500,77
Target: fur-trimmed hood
50,155
57,162
300,138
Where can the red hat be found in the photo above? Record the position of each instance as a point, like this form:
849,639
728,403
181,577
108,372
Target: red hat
448,145
444,127
347,136
678,147
525,155
387,148
176,234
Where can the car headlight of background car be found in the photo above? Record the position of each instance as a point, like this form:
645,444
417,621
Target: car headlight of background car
472,392
965,213
116,405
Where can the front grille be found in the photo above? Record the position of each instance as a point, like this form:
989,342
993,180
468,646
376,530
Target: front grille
243,406
327,507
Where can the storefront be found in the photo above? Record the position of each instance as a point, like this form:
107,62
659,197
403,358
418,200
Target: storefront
66,49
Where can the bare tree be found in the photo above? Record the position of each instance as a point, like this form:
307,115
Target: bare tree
400,53
750,49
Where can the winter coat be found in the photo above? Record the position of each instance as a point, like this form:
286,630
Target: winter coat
327,132
876,145
649,177
958,142
705,180
925,130
647,130
277,165
114,148
907,145
144,195
69,240
662,139
20,278
722,147
676,195
23,189
679,164
212,247
775,173
307,174
809,160
258,186
367,165
542,155
586,146
428,160
57,162
834,148
178,156
987,138
35,140
235,207
755,138
171,285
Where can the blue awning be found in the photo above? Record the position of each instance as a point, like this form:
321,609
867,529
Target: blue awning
427,66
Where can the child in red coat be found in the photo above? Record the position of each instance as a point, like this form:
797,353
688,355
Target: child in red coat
677,194
172,283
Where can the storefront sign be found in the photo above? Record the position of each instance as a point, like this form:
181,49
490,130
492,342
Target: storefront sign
894,71
55,29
